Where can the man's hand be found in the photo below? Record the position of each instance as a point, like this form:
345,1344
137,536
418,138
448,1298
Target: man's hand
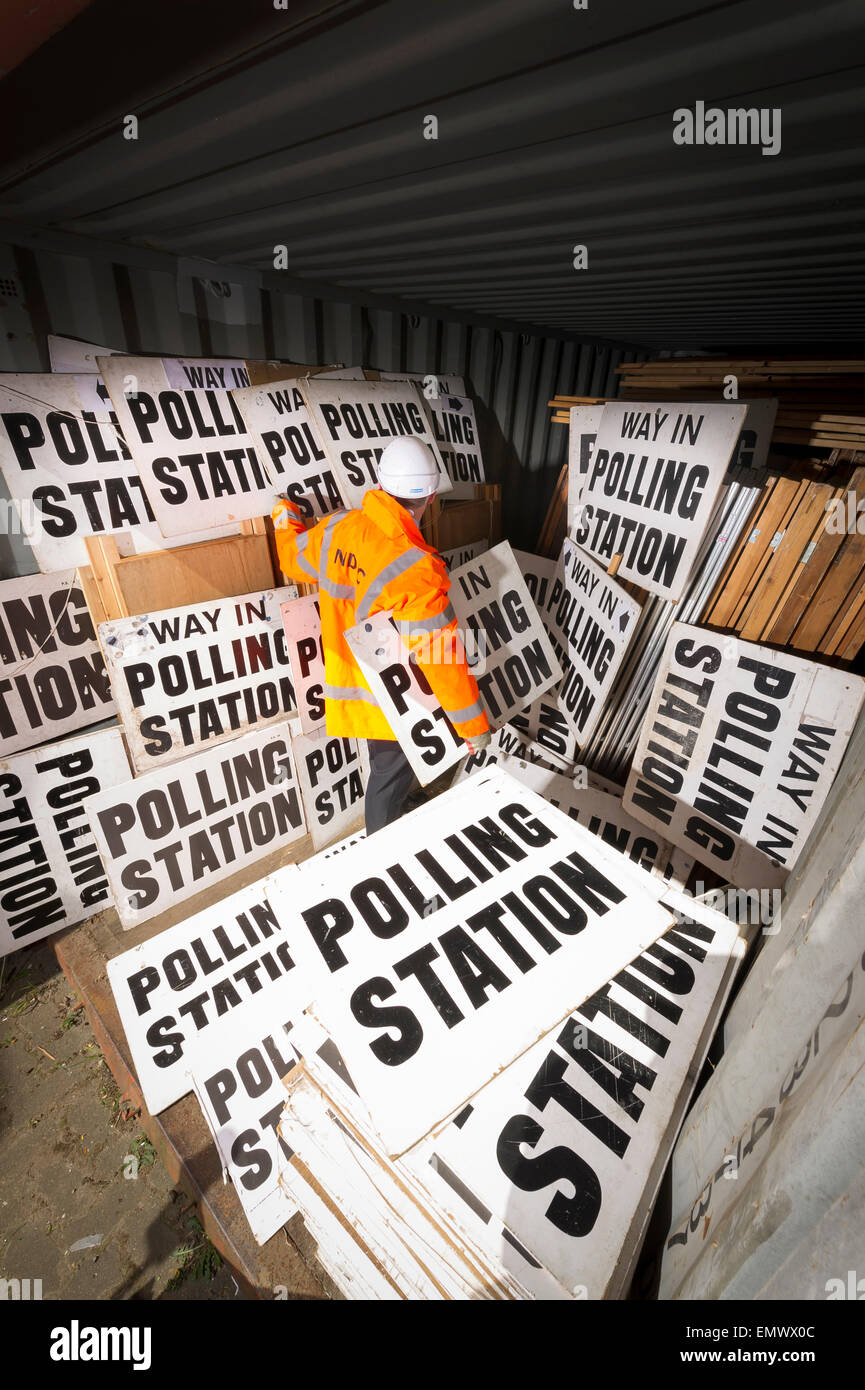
477,742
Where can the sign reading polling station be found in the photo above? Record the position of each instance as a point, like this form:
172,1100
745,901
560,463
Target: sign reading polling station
456,433
584,421
752,447
236,1069
52,675
51,874
456,937
461,554
196,459
186,678
173,991
426,735
164,835
66,465
655,476
284,436
590,619
544,725
738,751
491,600
332,773
568,1145
302,627
356,420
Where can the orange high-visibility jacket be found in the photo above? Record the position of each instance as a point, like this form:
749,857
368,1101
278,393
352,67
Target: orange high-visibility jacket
375,560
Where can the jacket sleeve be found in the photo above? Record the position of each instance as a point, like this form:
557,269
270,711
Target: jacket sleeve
427,623
297,548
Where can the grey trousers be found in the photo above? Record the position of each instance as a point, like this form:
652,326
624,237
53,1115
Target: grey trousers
390,781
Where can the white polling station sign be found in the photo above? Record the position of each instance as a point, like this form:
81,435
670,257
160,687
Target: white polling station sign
753,445
544,725
190,444
425,1020
568,1145
515,662
655,476
51,874
583,424
236,1069
175,990
163,835
284,436
456,433
431,384
52,674
302,627
356,420
425,734
192,677
738,751
66,465
332,773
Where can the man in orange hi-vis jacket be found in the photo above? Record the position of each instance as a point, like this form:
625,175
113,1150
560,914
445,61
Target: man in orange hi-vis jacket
375,560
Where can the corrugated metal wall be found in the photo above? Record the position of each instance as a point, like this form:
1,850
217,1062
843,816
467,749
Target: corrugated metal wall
148,302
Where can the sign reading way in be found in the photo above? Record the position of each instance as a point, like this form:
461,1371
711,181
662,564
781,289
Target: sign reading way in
738,751
52,675
51,874
186,678
191,446
165,835
652,484
355,420
284,436
459,935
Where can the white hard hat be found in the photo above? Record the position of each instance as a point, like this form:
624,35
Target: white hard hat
407,469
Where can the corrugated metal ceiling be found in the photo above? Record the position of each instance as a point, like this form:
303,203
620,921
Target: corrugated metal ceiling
304,128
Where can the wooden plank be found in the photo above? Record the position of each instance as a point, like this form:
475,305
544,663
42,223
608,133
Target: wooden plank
556,520
847,616
831,595
745,566
172,578
776,579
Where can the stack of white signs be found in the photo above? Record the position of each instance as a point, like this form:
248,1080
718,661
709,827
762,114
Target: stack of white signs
439,1149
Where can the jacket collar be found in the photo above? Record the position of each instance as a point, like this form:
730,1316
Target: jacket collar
386,513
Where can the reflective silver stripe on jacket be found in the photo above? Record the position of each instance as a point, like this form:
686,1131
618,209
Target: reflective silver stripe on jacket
335,590
349,692
383,578
447,615
462,716
302,542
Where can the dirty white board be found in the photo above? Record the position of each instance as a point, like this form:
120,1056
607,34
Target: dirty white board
76,355
509,741
174,992
51,874
456,433
236,1070
52,674
413,711
461,554
424,1020
655,475
514,661
583,424
356,420
599,811
431,384
174,831
332,773
193,677
194,454
302,627
568,1144
287,440
342,373
738,751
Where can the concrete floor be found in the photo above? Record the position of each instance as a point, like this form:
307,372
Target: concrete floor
66,1149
